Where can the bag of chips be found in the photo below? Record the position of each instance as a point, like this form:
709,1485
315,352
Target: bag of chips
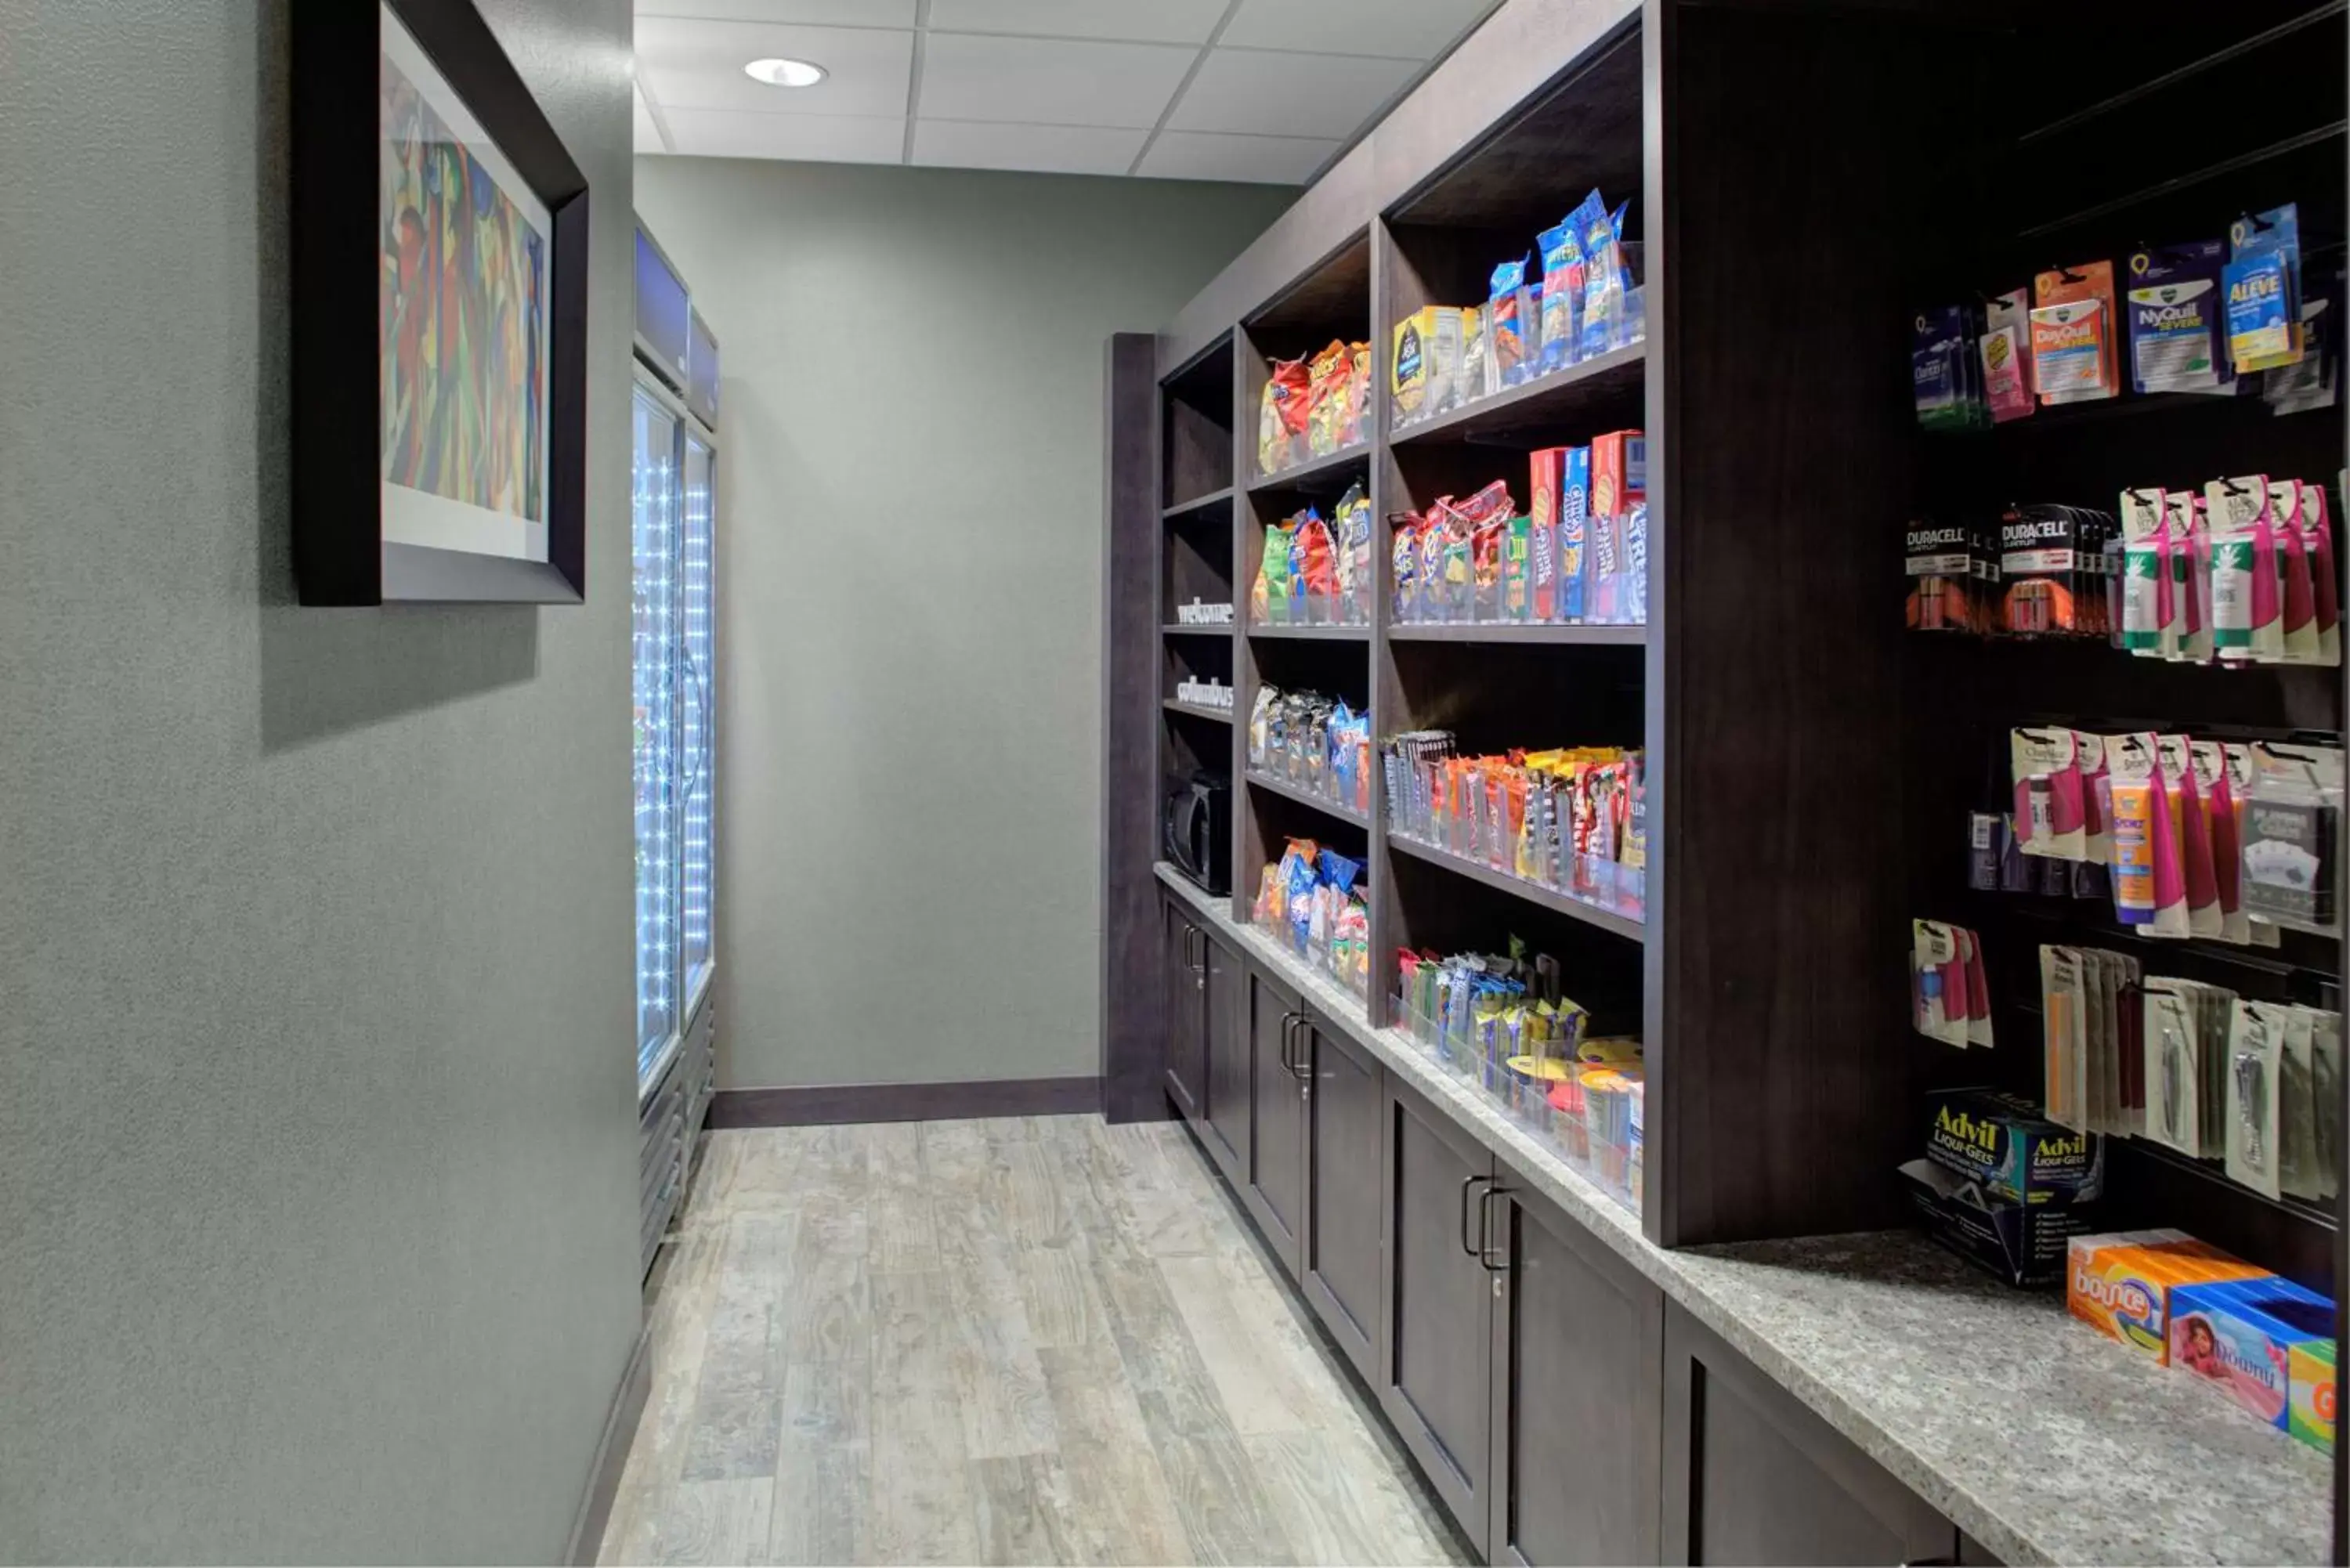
1326,400
1281,417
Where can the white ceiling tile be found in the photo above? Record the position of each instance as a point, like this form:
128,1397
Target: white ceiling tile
1209,155
699,64
649,136
1048,149
1147,21
1042,82
1407,29
832,13
1287,95
814,138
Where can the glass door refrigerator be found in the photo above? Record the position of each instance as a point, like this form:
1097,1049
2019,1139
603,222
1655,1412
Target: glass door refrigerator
673,534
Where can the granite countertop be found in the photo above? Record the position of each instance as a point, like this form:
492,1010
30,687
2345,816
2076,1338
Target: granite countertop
2039,1438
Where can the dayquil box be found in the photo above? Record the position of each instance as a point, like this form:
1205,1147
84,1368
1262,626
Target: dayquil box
2240,1338
2122,1285
2310,1368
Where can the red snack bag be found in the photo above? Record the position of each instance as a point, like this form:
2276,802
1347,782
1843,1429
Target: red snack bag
1321,561
1281,419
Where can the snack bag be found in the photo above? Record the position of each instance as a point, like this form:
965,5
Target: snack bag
1603,282
1326,409
1318,559
1280,418
1269,596
2073,334
1561,296
1506,334
1355,427
1351,544
1406,533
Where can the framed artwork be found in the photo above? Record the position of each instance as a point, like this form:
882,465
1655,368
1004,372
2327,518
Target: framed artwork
439,316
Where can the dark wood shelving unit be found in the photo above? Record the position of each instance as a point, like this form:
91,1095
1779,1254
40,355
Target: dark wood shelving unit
1199,502
1314,633
1533,893
1304,796
1322,473
1787,853
1504,632
1609,380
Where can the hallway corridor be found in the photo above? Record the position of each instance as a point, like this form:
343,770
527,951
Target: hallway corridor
1028,1340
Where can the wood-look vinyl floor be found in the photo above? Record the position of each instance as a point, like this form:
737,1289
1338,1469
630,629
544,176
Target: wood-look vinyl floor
1031,1340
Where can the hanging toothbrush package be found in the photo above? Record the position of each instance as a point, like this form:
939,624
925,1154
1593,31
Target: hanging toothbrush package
1950,996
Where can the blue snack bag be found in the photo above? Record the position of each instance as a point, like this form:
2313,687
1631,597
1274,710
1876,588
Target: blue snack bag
1603,278
1561,298
2263,283
1507,336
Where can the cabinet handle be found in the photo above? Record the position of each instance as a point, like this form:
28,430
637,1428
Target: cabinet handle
1300,1067
1486,1229
1466,1183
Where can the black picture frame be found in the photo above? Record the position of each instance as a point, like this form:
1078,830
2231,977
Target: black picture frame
340,555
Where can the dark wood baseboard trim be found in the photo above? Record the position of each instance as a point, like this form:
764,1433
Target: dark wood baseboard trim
612,1453
826,1104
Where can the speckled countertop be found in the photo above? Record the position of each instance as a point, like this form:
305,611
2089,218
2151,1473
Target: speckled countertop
2040,1439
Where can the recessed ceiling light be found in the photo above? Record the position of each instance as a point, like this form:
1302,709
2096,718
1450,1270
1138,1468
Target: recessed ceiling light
784,73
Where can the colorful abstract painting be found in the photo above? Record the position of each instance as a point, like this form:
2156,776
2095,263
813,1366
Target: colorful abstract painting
464,299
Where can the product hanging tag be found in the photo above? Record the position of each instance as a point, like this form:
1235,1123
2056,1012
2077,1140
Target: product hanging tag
2045,769
2247,619
2317,541
2297,1109
2291,866
2073,334
2006,352
2096,827
2296,593
2312,382
2174,1069
2146,612
2325,1086
2177,319
2263,283
1979,1027
2064,1077
2190,577
2193,826
2255,1062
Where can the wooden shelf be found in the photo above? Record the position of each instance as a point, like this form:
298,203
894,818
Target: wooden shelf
1562,398
1299,793
1315,633
1573,636
1322,473
1213,715
1197,503
1177,628
1533,893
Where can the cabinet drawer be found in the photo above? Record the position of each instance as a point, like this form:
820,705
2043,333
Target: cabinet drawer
1751,1476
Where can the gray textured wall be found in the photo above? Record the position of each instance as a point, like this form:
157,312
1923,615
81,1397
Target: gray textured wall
317,1133
911,554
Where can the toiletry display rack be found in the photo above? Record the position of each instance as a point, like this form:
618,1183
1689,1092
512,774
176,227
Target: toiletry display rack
1808,773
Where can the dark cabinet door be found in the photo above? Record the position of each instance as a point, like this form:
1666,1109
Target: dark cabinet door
1183,976
1224,1119
1578,1390
1751,1476
1435,1367
1276,1192
1343,1249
